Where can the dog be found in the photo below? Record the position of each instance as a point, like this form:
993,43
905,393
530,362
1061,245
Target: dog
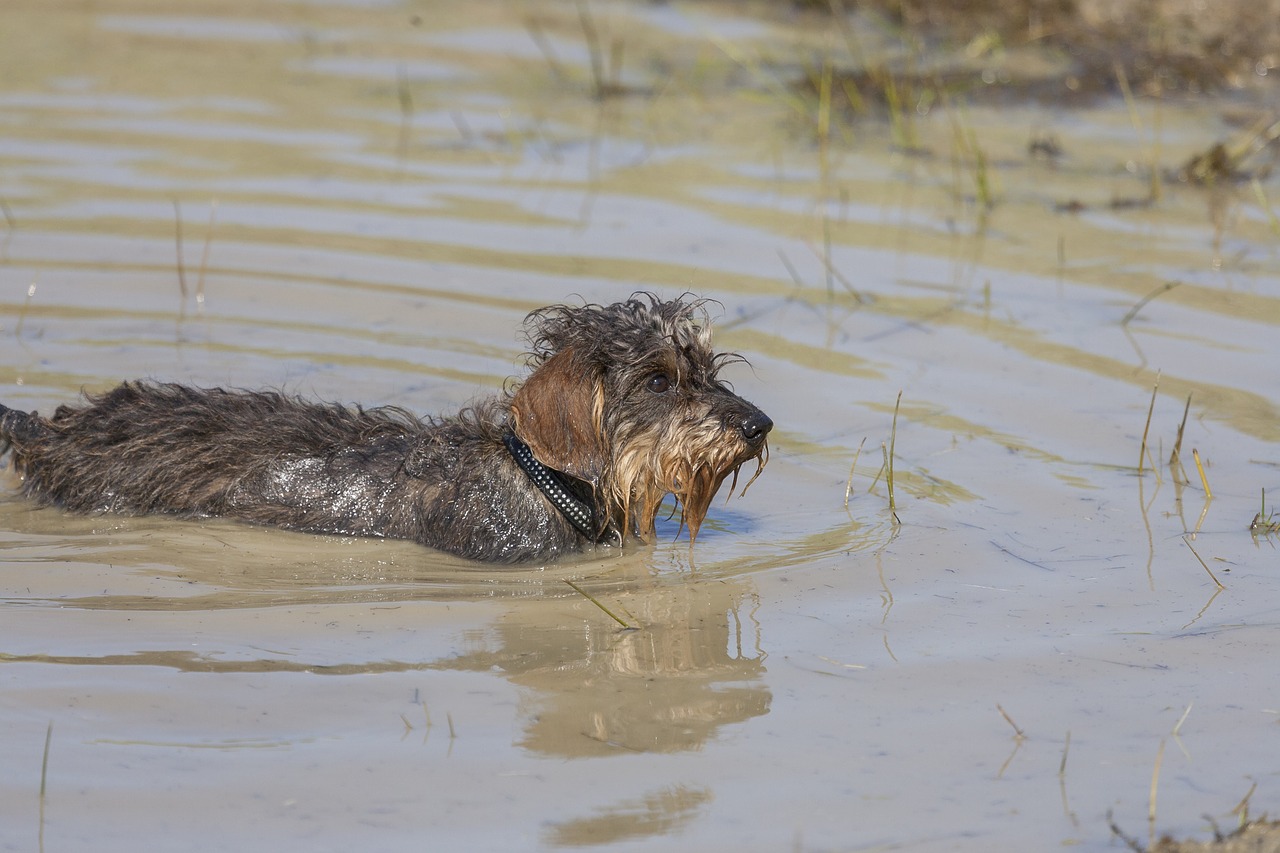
623,406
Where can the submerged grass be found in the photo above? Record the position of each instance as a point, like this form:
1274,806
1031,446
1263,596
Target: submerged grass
204,255
1146,430
589,597
1017,730
603,85
1155,787
44,778
848,488
11,225
177,241
1135,118
404,97
1264,523
1209,571
1263,202
1175,458
1204,481
969,161
888,460
1141,303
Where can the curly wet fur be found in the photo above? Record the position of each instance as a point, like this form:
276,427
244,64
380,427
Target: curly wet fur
623,399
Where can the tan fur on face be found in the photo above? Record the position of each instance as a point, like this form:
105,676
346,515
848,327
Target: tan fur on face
690,460
585,410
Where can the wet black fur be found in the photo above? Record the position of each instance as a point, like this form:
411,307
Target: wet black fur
450,483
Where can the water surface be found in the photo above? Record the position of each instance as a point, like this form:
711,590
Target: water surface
360,202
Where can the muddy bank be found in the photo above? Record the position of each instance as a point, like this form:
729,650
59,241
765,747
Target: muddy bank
1157,47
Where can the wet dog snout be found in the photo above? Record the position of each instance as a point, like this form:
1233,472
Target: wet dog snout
755,427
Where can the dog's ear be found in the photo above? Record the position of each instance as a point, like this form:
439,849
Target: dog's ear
558,412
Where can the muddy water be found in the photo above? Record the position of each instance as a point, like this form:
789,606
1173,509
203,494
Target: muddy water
360,202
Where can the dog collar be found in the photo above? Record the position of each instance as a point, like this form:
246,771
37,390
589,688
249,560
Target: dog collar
558,487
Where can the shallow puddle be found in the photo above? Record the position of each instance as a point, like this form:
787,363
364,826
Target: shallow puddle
360,201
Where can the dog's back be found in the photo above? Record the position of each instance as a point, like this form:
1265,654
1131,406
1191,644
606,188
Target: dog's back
268,458
145,447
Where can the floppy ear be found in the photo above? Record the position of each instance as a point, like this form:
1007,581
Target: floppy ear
558,412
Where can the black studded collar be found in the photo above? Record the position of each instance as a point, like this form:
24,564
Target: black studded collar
571,496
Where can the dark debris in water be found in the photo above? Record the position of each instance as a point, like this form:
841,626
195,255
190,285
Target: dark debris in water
1161,46
1252,836
1260,836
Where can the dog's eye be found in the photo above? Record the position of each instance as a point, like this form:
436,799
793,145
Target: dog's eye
658,383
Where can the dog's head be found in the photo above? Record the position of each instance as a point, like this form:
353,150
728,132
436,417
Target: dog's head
626,397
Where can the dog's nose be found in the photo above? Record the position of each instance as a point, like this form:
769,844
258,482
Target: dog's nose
755,427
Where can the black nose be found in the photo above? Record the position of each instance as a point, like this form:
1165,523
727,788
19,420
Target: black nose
755,427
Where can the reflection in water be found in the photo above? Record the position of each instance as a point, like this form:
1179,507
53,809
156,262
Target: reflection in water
164,564
693,667
186,661
654,814
695,664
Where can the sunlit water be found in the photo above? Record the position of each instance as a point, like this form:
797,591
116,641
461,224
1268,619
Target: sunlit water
361,201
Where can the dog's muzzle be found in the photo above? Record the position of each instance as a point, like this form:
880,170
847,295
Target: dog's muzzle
755,427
